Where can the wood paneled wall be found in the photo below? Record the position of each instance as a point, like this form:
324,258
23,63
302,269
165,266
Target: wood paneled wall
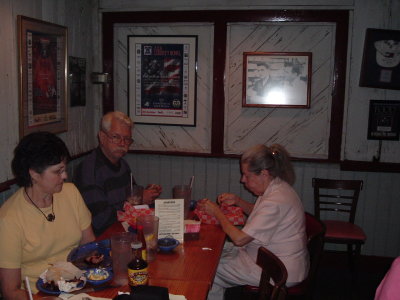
377,211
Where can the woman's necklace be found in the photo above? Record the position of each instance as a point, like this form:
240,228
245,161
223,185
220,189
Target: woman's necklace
50,217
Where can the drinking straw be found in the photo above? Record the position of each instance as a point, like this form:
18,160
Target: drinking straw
28,286
191,182
131,181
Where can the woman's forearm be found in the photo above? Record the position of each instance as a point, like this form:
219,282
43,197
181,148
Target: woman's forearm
246,206
238,237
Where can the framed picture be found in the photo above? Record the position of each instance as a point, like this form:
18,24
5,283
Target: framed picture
276,79
380,65
77,81
162,79
384,120
43,76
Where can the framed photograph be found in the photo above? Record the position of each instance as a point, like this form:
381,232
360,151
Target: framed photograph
162,79
77,81
43,76
277,79
384,120
380,65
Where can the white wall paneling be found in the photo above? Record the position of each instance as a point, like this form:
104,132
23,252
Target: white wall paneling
379,200
377,211
304,132
159,137
81,19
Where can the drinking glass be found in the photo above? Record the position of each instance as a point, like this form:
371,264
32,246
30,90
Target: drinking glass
134,194
183,192
150,231
121,253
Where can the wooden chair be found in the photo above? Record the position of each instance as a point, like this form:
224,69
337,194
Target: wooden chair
315,231
341,197
272,268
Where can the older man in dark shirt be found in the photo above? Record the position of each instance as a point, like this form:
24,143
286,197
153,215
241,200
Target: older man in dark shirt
103,176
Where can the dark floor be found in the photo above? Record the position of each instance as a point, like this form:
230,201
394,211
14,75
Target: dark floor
335,281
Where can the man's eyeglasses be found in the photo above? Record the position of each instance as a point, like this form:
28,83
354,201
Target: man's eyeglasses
117,139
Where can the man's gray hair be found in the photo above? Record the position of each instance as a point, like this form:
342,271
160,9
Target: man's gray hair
107,119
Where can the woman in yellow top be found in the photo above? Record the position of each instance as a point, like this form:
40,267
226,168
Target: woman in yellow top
44,219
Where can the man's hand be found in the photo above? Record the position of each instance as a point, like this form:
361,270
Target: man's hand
151,192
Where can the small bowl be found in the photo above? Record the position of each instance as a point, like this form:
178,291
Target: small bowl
98,276
167,244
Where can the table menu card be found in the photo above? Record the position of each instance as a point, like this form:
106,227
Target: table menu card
170,212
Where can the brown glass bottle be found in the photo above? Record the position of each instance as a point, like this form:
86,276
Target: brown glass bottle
141,238
137,268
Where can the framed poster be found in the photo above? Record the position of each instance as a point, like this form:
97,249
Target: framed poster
77,81
384,120
276,79
43,76
162,79
380,65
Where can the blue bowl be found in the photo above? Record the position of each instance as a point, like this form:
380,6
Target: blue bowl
167,244
98,276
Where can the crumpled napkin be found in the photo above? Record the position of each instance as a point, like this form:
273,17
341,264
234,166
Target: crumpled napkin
60,269
171,296
80,297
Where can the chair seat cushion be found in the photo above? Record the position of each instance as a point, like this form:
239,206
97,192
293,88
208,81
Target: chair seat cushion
298,289
343,230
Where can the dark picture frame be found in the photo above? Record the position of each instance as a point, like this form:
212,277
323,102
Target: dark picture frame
43,76
277,79
162,79
381,59
384,120
77,81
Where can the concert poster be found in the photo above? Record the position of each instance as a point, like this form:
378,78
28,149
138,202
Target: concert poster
44,57
164,82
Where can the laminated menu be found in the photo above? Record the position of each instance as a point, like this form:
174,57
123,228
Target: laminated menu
170,212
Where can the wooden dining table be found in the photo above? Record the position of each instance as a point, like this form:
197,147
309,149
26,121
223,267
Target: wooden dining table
189,270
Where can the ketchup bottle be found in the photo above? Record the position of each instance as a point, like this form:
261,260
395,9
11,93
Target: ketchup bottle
141,238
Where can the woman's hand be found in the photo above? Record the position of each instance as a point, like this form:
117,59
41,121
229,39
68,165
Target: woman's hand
238,237
208,206
151,193
228,199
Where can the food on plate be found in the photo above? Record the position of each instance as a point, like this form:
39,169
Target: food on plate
94,258
97,274
64,270
62,276
91,255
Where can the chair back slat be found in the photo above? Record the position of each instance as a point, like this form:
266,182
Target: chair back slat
328,191
272,268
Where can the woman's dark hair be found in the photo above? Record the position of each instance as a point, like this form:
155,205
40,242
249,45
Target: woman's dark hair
275,159
37,151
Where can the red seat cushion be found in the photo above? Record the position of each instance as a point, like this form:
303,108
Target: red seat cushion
343,230
298,289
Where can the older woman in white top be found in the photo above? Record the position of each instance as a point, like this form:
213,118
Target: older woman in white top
275,221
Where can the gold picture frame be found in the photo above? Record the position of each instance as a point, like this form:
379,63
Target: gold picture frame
43,76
